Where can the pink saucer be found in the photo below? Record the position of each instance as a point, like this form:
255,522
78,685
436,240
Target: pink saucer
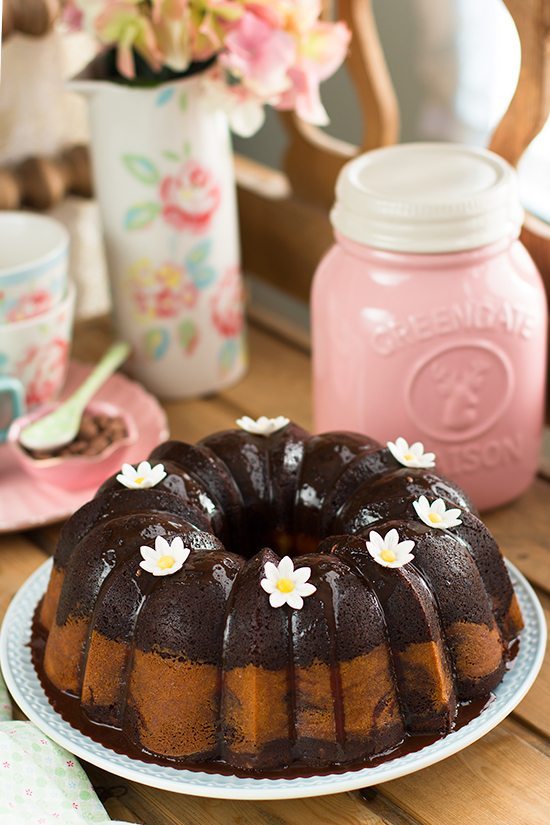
26,502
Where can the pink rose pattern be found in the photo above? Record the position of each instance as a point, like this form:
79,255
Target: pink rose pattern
161,292
42,371
27,306
227,305
189,198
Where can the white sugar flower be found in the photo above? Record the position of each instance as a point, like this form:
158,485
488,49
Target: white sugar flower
413,456
165,558
436,514
262,425
144,477
286,585
389,551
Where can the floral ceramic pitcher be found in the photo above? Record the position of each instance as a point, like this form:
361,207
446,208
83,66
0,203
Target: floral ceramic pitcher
163,173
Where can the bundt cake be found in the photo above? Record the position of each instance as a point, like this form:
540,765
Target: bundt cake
269,598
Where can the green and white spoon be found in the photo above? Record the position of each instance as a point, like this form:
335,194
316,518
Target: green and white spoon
61,426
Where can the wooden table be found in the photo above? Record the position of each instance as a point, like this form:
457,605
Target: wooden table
504,779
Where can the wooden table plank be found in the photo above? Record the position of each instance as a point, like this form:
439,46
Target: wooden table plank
499,779
523,531
165,808
283,388
18,559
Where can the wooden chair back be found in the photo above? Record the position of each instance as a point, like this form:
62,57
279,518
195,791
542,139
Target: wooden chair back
528,111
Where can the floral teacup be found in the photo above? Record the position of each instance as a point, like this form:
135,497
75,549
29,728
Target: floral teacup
33,264
34,356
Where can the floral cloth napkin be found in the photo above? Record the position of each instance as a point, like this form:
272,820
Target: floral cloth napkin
40,782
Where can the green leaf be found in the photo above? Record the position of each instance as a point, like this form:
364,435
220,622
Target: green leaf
140,215
169,155
142,168
188,336
203,276
228,355
164,96
156,343
187,149
183,101
198,254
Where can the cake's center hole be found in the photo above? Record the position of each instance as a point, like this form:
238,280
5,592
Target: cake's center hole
166,562
388,555
285,585
435,518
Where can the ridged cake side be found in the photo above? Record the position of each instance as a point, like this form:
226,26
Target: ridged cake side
197,665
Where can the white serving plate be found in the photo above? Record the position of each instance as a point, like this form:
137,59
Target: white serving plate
23,683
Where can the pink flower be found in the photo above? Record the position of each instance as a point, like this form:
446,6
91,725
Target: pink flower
244,109
228,304
72,16
32,304
190,198
260,55
162,292
47,371
322,50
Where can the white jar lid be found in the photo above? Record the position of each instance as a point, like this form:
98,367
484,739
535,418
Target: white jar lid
427,197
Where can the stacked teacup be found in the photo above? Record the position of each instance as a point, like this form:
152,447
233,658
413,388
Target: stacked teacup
36,312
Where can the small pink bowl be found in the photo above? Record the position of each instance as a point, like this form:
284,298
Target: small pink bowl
79,471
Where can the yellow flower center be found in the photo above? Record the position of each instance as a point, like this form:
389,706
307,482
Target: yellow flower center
139,480
166,562
435,518
408,457
285,585
388,555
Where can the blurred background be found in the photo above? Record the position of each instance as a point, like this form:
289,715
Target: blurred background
454,65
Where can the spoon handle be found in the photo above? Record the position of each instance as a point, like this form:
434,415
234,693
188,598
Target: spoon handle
113,358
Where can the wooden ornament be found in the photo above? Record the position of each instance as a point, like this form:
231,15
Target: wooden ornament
34,18
10,193
41,182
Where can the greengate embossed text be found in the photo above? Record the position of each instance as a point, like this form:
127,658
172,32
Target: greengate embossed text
395,335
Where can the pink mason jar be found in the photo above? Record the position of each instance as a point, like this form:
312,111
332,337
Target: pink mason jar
429,316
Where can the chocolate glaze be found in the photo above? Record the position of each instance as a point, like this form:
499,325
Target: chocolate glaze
189,489
367,504
255,633
325,458
71,711
285,454
106,546
200,589
203,464
245,457
122,502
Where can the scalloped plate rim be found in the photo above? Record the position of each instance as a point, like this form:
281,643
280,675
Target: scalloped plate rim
60,510
15,655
